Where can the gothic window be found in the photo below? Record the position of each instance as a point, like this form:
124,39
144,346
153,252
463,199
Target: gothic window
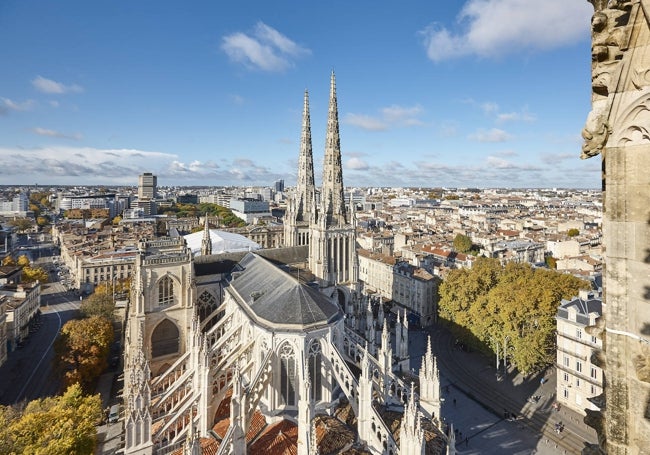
165,339
315,370
207,304
165,291
287,375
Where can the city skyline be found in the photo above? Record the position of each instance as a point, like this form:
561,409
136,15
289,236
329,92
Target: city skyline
211,95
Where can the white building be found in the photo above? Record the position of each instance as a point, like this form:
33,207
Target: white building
577,378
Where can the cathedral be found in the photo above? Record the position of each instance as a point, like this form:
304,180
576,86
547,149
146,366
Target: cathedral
276,350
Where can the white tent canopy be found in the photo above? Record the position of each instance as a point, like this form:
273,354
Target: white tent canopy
222,242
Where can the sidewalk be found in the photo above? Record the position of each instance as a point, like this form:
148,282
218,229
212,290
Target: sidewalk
475,375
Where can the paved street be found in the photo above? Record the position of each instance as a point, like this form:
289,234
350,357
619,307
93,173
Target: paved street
27,373
475,403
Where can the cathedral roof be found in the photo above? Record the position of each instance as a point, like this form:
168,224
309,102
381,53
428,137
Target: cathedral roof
278,299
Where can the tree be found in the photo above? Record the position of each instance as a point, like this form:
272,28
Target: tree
117,220
59,425
82,349
98,305
42,221
21,224
9,260
23,261
33,274
462,243
551,262
513,306
573,232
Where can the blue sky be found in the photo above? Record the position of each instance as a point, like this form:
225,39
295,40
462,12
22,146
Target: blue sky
483,93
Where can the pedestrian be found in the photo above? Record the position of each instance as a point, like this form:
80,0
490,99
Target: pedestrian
454,401
466,441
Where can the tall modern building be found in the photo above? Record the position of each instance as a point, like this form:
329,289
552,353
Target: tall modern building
617,129
147,183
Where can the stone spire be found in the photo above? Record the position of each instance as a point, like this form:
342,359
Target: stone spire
206,242
305,189
138,399
364,421
430,384
238,413
411,433
386,360
332,196
451,441
305,412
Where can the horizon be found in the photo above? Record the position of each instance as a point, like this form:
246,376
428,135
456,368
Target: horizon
211,95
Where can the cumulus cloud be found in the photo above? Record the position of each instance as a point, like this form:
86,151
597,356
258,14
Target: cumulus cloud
389,117
265,49
491,135
57,134
491,28
53,87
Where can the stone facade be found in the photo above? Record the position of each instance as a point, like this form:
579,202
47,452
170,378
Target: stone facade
617,129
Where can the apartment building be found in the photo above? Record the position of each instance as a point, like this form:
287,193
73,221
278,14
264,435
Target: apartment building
577,378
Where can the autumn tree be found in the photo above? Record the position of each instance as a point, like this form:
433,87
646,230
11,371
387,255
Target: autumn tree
21,224
98,304
82,349
33,274
509,308
462,243
573,232
23,261
9,261
59,425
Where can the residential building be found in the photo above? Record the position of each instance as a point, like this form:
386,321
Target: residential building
22,301
578,379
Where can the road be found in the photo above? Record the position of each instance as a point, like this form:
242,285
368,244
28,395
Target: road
470,379
27,374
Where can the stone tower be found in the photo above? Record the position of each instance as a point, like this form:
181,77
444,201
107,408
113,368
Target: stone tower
332,248
618,128
302,205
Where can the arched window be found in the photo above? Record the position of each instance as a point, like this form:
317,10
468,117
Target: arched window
165,339
207,304
165,291
315,371
287,375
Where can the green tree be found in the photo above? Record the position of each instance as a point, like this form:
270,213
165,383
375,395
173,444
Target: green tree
117,220
82,348
98,304
573,232
513,306
462,243
42,221
551,262
61,425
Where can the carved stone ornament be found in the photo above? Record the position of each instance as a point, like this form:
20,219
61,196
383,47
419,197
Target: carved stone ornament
595,135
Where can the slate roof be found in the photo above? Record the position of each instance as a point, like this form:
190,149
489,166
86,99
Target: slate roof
276,299
583,309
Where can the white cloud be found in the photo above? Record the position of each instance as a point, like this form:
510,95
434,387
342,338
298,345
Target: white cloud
523,116
365,122
52,87
490,28
357,164
491,135
266,49
54,133
390,117
10,105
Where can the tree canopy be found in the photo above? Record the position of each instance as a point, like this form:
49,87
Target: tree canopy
98,304
21,224
513,305
573,232
226,217
82,348
462,243
59,425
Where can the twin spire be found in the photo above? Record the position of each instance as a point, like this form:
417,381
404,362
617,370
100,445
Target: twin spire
332,198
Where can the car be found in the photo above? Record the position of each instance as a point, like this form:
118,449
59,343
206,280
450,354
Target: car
114,413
